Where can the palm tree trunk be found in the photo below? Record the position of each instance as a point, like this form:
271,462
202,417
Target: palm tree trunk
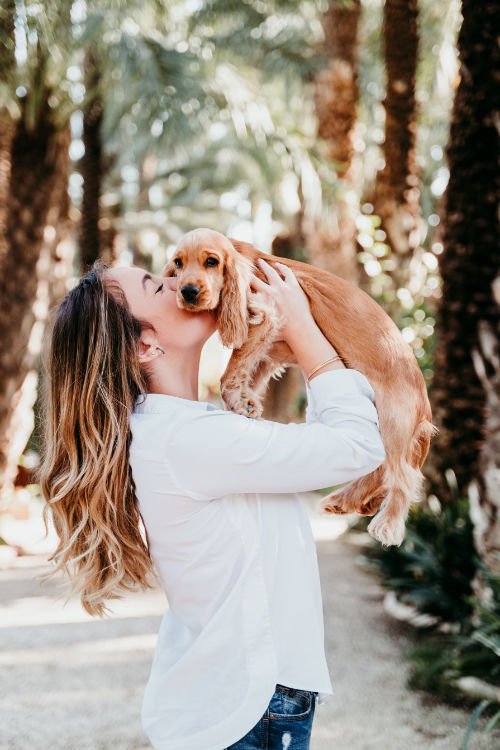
39,164
91,169
396,196
332,244
469,264
7,129
54,268
484,491
7,125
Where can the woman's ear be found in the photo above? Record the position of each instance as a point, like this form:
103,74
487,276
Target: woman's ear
148,349
232,323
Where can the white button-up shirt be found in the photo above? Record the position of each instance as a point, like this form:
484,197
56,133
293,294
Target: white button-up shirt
232,544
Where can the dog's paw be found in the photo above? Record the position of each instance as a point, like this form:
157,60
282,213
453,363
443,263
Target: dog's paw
248,407
330,505
244,403
390,533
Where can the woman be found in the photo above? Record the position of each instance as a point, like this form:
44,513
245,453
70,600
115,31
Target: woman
240,661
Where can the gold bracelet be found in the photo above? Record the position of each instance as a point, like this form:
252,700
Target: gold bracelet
332,359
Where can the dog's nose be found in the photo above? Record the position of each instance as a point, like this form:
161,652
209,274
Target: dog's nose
190,292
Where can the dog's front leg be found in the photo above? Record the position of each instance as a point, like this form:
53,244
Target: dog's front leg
236,383
277,358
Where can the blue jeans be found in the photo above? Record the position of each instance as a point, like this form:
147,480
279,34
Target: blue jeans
286,723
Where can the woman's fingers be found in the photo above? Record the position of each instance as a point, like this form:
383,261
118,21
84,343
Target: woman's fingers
258,283
270,272
287,273
273,276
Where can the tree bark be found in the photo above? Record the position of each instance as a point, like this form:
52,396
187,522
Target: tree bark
337,85
397,191
484,491
91,169
469,263
39,165
7,125
331,243
396,196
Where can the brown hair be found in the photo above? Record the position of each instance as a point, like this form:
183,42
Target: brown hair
92,382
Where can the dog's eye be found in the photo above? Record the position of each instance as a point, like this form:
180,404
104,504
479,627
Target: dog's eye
177,262
212,262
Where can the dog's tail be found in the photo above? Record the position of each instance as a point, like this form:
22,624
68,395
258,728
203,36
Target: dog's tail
420,443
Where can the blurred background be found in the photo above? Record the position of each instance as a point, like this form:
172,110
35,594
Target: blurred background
356,135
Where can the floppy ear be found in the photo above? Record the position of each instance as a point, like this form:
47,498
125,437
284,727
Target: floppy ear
233,305
168,269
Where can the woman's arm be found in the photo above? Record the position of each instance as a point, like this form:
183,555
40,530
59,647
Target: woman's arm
216,452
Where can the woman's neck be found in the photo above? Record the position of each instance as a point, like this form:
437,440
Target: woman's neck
176,373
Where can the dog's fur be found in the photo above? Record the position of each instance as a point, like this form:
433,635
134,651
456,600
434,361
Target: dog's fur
362,333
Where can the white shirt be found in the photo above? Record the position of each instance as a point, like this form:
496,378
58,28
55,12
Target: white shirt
232,544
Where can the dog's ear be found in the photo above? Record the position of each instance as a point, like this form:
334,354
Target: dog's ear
168,269
233,305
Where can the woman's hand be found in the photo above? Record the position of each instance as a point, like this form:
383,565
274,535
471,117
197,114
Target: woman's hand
289,297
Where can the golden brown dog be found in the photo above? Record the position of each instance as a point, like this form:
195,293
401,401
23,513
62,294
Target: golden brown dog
214,273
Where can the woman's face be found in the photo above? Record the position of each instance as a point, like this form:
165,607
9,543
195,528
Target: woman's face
153,299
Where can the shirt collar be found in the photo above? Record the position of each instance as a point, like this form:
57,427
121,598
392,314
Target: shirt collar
153,403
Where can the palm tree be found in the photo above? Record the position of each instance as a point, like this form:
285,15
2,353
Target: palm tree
7,65
397,192
469,263
39,165
91,165
144,96
484,496
45,99
332,243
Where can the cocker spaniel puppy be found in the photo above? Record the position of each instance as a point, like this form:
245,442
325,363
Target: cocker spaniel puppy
214,272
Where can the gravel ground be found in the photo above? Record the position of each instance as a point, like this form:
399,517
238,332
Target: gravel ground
68,682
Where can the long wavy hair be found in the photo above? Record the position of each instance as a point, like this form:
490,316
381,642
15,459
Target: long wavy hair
92,381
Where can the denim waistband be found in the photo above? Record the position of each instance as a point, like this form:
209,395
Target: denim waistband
289,690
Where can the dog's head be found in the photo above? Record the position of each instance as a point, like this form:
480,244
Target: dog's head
213,276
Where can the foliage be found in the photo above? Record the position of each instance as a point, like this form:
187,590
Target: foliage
257,149
280,39
434,566
433,570
474,652
38,79
493,722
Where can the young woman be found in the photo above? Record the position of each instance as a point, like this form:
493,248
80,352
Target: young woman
240,660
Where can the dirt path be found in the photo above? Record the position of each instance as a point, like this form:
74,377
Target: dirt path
68,682
372,709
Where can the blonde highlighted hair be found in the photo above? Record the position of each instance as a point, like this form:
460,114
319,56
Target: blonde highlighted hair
92,382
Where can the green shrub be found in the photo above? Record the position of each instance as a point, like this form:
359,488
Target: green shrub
434,566
474,652
433,570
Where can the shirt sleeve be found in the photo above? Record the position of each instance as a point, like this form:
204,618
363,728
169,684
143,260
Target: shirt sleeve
217,452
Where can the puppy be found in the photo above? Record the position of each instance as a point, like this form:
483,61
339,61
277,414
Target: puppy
214,273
